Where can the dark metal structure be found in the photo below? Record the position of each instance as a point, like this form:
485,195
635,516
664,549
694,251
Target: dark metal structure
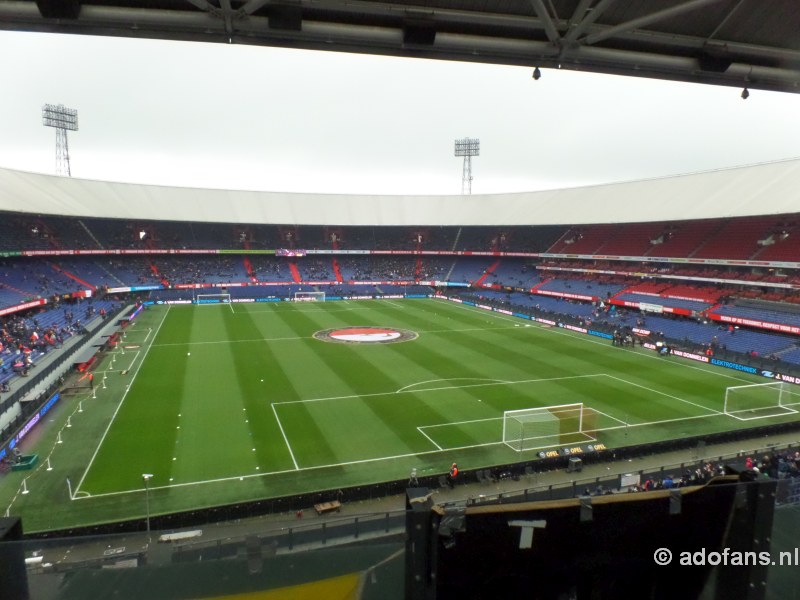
467,147
62,119
743,43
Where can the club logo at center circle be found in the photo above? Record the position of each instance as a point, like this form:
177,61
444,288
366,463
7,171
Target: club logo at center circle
366,335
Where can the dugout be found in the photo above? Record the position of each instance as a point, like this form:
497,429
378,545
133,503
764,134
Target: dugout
85,359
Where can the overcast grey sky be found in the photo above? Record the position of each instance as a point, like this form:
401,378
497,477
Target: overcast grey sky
242,117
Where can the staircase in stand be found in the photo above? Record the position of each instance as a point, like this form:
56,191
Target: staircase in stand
90,234
248,267
708,238
110,274
455,241
336,271
86,284
486,273
161,278
295,272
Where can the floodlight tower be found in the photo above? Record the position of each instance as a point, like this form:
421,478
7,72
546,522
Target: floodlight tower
62,119
467,147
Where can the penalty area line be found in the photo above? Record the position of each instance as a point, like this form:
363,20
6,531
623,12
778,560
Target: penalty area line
649,389
285,439
429,438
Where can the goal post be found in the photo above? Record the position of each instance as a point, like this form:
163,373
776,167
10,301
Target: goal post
212,299
309,297
760,400
534,428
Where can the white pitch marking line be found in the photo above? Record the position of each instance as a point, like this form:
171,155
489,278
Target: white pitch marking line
308,337
393,303
599,412
314,468
461,422
320,310
644,387
404,388
788,411
285,439
134,360
439,389
114,416
430,439
399,456
645,424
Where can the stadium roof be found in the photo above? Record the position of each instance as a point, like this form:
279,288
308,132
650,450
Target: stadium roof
742,43
766,189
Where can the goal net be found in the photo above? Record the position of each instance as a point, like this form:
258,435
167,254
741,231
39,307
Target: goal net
534,428
213,298
309,296
760,400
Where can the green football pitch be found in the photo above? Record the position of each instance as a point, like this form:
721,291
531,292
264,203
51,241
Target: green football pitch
228,403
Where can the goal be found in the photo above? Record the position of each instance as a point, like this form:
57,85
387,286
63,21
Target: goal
309,296
760,400
213,299
534,428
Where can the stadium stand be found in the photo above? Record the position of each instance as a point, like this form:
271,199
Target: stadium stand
735,239
691,305
585,240
576,286
695,288
634,239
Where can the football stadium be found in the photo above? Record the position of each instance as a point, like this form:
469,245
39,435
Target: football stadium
211,393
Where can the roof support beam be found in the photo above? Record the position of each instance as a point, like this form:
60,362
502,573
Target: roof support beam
591,15
227,11
647,20
577,16
547,21
253,6
722,23
203,5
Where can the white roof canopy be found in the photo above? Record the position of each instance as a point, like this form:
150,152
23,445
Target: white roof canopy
771,188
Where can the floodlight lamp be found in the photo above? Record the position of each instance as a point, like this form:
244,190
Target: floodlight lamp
537,73
745,94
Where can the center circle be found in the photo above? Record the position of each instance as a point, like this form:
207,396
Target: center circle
366,335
